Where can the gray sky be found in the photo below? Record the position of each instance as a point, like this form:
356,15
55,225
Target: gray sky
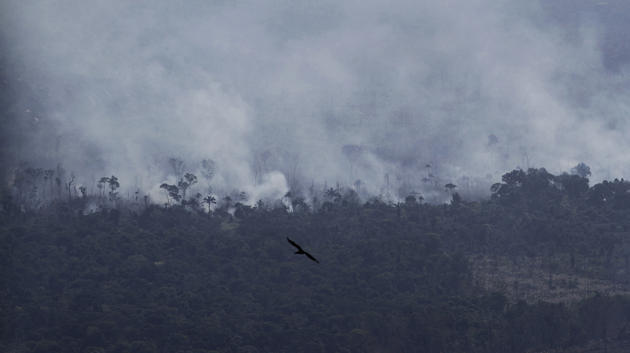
274,90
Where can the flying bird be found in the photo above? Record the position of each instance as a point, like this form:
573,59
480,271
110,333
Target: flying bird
300,250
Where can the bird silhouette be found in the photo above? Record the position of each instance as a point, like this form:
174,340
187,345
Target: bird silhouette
300,250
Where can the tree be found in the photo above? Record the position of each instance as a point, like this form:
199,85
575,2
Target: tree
574,185
112,183
210,200
332,195
101,186
172,191
194,202
518,184
113,188
187,181
581,170
69,185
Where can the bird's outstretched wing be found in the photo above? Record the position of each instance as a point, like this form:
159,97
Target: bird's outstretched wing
311,257
294,244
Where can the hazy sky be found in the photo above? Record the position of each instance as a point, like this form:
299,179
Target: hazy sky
283,93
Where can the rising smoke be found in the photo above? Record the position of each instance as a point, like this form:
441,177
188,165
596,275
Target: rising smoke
285,94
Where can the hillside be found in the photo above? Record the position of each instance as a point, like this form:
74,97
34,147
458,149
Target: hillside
541,266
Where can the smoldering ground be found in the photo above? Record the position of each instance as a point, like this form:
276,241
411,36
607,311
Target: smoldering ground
285,94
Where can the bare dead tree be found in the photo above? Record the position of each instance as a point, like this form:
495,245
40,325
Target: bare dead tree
69,186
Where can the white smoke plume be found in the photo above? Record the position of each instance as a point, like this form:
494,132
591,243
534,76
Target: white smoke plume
284,94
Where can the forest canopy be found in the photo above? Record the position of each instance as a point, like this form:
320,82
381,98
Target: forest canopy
394,277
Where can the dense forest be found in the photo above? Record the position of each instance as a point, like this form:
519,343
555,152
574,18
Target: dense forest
542,265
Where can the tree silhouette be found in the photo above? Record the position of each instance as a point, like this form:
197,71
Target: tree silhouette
186,182
113,188
582,170
172,192
69,185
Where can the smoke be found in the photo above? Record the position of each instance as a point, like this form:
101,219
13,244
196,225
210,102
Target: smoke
284,94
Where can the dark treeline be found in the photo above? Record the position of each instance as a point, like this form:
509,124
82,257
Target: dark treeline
394,277
32,189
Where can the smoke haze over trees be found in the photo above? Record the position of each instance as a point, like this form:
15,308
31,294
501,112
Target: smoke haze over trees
156,155
283,94
280,95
